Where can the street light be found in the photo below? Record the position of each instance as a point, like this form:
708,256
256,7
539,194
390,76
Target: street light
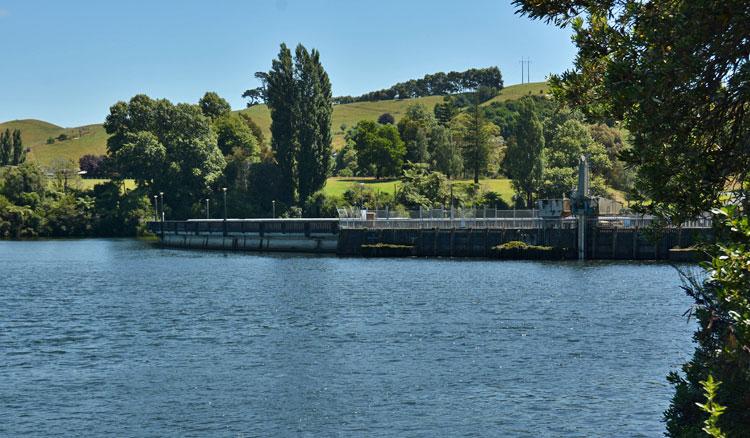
161,194
224,189
273,209
156,208
208,216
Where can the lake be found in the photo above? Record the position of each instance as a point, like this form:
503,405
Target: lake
116,337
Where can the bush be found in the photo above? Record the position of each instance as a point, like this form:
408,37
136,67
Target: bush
516,250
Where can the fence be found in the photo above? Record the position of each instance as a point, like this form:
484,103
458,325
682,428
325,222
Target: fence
487,218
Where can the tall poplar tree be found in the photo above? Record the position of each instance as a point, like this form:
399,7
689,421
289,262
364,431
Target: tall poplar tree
6,148
19,154
281,97
314,109
298,93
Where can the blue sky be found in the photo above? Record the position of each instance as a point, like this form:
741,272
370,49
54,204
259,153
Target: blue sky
66,62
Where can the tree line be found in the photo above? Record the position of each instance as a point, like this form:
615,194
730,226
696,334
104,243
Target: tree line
437,84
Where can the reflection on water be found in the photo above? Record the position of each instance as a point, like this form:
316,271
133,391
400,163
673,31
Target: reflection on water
115,337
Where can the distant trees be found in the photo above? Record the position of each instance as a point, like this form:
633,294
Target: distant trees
298,93
379,148
12,151
435,84
524,157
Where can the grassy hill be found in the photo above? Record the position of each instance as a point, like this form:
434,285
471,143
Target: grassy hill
92,139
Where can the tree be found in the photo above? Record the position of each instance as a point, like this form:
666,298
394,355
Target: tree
260,138
378,147
213,106
281,99
571,139
476,140
386,119
25,184
676,74
414,128
93,165
165,148
524,157
19,153
314,108
232,132
6,148
444,152
422,188
298,93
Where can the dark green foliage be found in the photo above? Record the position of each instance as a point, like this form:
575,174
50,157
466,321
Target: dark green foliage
281,99
117,213
414,128
315,109
677,74
6,147
379,149
93,165
165,148
233,132
444,152
257,131
346,161
476,135
29,207
386,119
12,151
320,205
19,153
422,188
213,106
298,93
436,84
524,157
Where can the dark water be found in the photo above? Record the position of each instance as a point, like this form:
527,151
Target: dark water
104,337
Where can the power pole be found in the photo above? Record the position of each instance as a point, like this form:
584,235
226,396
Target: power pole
528,70
527,62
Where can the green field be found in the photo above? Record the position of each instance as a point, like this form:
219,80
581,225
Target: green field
92,139
336,186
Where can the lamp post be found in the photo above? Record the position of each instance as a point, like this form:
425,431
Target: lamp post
224,189
161,194
156,208
208,215
273,209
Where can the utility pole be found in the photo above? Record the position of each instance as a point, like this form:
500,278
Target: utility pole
528,70
527,62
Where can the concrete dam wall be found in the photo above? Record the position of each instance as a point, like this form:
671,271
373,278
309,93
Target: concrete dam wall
325,236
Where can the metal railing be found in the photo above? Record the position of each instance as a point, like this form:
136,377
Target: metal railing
485,218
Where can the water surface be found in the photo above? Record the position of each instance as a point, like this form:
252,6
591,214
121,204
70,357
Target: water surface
114,337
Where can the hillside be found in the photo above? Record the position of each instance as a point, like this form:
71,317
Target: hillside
92,139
